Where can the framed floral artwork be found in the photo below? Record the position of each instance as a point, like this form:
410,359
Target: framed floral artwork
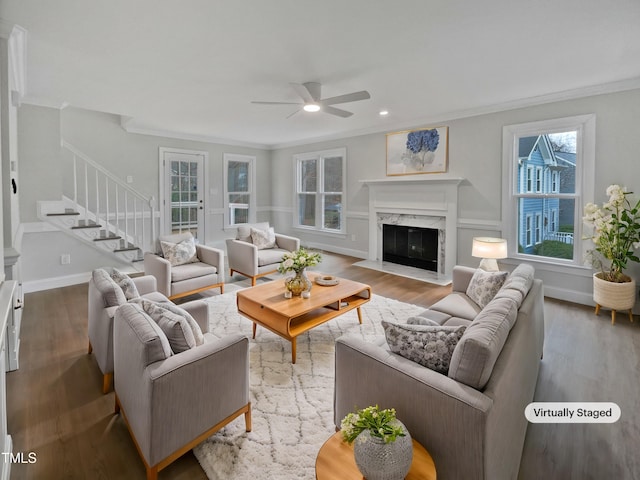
424,150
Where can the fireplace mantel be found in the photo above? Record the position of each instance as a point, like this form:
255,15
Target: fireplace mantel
420,196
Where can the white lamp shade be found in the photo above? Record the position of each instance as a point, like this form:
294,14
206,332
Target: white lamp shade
489,247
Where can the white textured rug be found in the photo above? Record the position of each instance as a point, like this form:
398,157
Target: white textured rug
292,405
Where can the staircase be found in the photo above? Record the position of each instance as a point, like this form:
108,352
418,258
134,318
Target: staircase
101,210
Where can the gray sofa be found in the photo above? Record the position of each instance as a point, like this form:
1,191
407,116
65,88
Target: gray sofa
471,420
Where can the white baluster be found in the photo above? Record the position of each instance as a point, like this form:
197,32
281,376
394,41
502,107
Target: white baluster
75,180
86,194
106,202
126,220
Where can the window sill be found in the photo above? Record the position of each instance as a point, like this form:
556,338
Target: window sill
544,265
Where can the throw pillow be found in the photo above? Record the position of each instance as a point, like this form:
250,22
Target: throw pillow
125,282
422,321
429,346
112,294
484,286
174,326
263,239
180,253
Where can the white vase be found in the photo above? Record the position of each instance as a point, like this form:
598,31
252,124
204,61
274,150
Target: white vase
613,295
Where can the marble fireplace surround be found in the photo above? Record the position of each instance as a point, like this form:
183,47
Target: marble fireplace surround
418,201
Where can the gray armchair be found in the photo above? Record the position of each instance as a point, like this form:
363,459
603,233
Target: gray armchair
177,281
104,298
172,402
247,259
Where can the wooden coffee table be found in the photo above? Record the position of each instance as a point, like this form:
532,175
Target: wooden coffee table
335,462
266,306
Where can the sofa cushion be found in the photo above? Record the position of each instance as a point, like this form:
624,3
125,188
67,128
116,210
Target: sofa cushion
477,351
456,321
484,286
434,316
457,304
180,253
112,294
191,270
263,239
270,256
125,282
244,230
429,346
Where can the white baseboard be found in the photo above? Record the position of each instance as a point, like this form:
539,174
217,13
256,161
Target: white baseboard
333,249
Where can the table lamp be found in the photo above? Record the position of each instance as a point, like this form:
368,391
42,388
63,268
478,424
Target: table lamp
489,249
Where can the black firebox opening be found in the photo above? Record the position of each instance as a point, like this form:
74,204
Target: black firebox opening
412,246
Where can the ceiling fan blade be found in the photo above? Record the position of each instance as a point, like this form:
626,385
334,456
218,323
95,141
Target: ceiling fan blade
349,97
336,111
278,103
314,89
304,93
293,113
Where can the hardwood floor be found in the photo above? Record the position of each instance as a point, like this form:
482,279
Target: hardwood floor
56,409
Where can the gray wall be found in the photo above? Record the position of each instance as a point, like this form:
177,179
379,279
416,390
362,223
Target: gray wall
475,153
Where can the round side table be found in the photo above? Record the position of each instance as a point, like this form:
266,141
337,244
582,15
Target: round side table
335,462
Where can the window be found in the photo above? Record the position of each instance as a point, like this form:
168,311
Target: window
239,190
543,214
320,185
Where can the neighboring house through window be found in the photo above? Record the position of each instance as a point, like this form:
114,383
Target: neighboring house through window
320,186
557,160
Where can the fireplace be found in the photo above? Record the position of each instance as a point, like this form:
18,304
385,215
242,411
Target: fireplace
416,202
411,246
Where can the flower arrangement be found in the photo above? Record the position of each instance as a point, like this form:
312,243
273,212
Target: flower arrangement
616,233
420,147
380,423
298,260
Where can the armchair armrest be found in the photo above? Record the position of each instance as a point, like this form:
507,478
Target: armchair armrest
439,412
243,256
211,256
145,284
199,310
286,242
196,389
160,268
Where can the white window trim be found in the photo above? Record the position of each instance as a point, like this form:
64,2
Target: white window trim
585,125
229,221
538,180
320,155
538,229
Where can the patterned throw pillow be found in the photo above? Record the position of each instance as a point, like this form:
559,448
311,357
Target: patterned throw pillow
263,239
484,286
429,346
175,326
112,294
125,283
422,321
180,253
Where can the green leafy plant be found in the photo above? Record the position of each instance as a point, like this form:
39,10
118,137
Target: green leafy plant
616,233
380,423
297,260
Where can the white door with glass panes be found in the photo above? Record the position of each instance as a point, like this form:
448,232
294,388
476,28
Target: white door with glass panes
182,197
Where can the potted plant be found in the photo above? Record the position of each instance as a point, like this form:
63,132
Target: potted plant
297,261
615,235
382,445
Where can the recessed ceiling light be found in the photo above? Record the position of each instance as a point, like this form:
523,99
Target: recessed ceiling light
311,107
384,112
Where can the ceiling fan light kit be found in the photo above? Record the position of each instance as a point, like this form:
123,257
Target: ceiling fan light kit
312,100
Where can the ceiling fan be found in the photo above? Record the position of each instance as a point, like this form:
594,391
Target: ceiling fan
313,101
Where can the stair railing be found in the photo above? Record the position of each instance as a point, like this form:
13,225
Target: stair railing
109,201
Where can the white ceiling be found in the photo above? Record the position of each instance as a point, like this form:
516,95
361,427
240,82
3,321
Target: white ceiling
192,67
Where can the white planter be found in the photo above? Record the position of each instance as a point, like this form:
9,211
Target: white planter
616,296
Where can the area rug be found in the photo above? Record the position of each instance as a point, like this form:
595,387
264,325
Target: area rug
292,405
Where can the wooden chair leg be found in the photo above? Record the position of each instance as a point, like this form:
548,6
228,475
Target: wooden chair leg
597,309
631,315
253,281
613,317
152,473
90,348
117,405
106,382
222,289
247,419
